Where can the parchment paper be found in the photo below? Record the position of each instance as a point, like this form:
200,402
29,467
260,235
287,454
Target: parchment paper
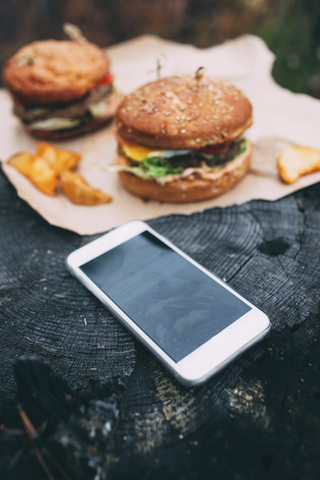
280,118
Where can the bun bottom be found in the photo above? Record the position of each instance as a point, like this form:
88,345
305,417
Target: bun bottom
91,126
188,189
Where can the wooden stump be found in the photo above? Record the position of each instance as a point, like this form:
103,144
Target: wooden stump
258,418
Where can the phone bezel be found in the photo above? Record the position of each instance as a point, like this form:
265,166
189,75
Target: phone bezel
210,357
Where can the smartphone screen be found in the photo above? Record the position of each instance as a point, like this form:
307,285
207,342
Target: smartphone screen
175,303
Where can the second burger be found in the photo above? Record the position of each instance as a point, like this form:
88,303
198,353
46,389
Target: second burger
61,89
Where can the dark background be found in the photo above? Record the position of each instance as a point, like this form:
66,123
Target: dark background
291,28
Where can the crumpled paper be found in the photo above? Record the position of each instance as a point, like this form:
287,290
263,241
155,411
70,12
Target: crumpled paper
280,119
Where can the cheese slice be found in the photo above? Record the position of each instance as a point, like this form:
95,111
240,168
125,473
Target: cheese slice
138,152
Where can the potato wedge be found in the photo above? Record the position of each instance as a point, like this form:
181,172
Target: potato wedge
22,161
58,158
37,170
295,161
79,191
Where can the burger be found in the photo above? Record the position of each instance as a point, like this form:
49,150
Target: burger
61,89
182,138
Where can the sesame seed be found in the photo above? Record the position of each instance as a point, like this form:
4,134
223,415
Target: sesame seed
183,117
198,140
163,132
178,117
129,130
169,94
183,131
200,104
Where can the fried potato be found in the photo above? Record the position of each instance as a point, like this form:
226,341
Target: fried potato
295,161
58,158
79,191
37,170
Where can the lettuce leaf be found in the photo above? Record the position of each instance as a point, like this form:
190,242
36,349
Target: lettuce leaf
243,146
150,167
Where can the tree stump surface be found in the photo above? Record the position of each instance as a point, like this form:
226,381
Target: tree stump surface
259,418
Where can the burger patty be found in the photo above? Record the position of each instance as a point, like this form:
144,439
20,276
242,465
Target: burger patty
29,114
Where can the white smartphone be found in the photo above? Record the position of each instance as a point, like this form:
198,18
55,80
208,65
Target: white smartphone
189,318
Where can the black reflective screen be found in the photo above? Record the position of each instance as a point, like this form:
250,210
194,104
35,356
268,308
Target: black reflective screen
171,300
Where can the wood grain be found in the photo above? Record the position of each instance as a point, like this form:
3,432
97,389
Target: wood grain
258,418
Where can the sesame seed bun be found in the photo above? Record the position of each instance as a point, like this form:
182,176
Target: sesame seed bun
50,71
183,112
197,185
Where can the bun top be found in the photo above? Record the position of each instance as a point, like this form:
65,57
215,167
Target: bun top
54,71
184,112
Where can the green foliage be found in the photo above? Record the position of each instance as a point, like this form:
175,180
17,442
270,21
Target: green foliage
293,34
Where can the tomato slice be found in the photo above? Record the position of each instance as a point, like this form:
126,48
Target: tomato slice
108,78
214,149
